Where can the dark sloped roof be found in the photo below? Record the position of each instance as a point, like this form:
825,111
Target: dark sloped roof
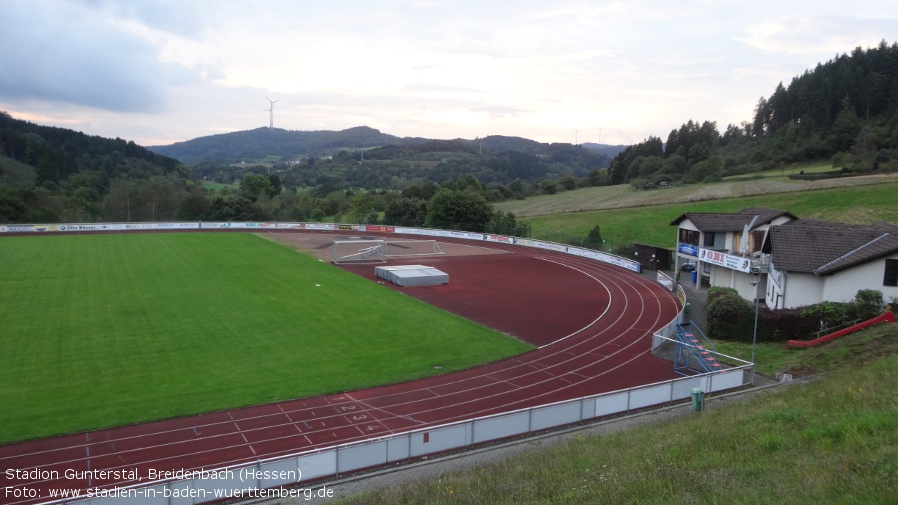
735,222
824,247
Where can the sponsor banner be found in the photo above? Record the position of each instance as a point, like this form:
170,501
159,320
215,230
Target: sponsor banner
46,227
92,227
379,229
688,249
576,251
215,225
140,226
499,238
319,226
21,228
467,235
348,227
725,260
268,225
3,229
178,226
664,280
417,231
548,245
291,226
621,262
608,258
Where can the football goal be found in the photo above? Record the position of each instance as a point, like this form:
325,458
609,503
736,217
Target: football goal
408,248
359,251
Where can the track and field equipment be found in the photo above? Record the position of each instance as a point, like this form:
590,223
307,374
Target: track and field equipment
359,251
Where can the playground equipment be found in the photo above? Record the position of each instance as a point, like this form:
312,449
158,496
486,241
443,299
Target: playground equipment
885,317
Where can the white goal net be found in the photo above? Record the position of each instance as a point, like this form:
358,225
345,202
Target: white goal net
362,251
408,248
359,251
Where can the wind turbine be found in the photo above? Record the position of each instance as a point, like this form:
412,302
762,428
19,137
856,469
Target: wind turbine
270,110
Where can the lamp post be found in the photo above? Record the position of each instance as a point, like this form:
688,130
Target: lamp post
754,338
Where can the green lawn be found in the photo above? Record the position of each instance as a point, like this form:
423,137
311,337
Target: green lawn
104,330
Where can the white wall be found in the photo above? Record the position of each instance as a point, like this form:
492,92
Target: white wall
802,289
842,286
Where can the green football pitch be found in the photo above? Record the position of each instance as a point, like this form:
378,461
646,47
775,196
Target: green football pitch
106,330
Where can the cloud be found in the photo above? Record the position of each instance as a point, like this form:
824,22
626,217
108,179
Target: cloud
438,88
177,17
63,54
801,34
498,111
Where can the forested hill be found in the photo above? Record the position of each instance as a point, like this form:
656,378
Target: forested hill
49,174
844,111
286,146
275,144
57,153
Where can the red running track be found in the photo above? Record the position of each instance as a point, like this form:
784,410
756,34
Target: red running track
592,321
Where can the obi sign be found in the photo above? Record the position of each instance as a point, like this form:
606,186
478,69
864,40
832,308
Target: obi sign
725,260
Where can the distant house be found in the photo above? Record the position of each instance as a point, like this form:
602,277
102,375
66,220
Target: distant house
813,261
724,249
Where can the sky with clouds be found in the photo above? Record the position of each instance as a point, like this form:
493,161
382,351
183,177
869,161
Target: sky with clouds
163,71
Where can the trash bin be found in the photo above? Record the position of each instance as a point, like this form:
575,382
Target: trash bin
686,308
698,399
694,276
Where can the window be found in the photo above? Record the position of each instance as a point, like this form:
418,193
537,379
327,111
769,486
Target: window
891,275
688,237
709,239
757,240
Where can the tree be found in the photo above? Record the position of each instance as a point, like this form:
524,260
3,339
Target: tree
761,124
845,129
276,185
707,170
458,210
121,203
505,223
361,206
468,181
253,185
597,177
594,239
406,212
421,192
231,208
158,198
568,183
864,149
12,209
517,189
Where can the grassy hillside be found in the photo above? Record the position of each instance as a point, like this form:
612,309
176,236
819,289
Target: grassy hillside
833,440
626,216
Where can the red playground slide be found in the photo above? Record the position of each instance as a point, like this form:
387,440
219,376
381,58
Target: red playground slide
885,317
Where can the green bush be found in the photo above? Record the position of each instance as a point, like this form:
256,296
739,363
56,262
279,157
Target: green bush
867,304
729,316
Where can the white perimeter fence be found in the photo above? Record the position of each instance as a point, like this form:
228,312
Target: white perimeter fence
270,475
